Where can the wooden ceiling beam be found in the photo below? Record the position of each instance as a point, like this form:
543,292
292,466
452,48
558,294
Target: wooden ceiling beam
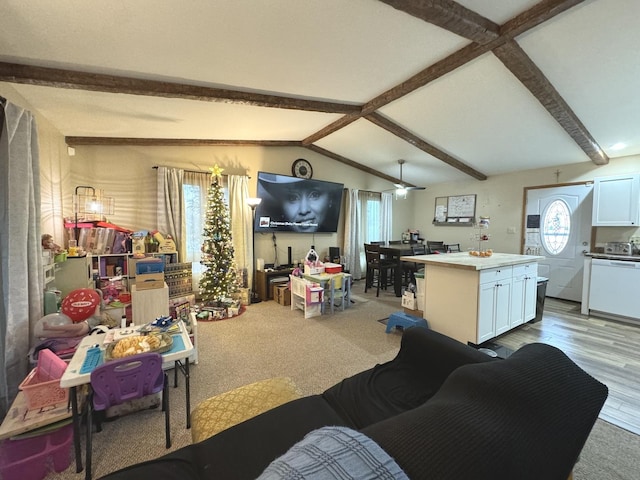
451,16
175,142
351,163
59,78
528,73
531,18
417,142
332,127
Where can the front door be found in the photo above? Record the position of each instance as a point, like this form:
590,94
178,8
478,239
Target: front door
558,226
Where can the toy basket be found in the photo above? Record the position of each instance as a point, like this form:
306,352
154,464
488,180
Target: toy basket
42,386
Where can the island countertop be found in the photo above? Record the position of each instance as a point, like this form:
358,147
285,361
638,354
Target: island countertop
468,262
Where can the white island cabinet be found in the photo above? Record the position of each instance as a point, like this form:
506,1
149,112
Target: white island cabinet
475,299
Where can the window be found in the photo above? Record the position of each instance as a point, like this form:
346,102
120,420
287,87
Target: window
373,222
195,189
556,227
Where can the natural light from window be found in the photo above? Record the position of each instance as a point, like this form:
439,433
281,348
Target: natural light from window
556,227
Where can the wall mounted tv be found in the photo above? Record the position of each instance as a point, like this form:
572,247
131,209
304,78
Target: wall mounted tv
291,204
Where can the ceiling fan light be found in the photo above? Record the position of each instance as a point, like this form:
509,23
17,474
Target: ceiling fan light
401,192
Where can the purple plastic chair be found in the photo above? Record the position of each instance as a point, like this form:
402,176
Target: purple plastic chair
119,381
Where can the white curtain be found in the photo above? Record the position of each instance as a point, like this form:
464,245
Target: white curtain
241,225
353,238
386,216
170,206
369,219
194,187
21,275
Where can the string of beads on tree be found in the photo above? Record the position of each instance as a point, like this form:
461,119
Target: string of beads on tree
219,279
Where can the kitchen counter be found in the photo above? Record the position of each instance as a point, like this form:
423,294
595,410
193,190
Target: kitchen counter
609,256
468,262
475,299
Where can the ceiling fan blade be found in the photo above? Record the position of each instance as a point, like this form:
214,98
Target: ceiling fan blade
414,188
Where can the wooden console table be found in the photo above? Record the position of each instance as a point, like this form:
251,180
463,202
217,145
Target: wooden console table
262,281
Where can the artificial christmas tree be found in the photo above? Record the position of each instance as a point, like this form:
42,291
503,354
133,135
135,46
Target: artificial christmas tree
219,279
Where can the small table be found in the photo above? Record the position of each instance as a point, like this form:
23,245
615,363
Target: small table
20,419
327,282
72,378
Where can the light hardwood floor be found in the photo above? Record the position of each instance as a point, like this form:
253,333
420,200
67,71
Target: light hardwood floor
608,350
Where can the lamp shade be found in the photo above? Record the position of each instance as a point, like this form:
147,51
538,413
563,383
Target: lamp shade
253,202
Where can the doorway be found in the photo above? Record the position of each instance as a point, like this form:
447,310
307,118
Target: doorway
558,227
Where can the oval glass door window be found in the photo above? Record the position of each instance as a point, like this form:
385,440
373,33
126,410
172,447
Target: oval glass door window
556,227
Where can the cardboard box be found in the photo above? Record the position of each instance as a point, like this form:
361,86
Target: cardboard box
243,295
282,295
148,281
415,313
275,283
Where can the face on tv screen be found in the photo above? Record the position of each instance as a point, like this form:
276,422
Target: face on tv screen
291,204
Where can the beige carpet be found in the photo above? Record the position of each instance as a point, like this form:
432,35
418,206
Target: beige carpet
267,340
272,340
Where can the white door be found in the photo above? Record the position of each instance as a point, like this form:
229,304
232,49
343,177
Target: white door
558,225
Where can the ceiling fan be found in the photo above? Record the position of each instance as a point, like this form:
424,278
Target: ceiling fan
402,188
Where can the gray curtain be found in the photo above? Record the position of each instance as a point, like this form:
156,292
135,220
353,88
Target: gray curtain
171,207
21,275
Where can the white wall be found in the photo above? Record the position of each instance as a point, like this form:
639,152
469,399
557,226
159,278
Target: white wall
55,180
501,198
127,173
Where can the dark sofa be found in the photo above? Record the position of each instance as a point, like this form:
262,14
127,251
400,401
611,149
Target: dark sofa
440,409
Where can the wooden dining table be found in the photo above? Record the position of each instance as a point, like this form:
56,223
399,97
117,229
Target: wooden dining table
393,252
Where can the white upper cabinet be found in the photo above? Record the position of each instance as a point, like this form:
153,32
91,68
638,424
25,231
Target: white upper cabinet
616,201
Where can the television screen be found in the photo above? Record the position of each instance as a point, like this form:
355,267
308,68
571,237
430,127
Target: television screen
291,204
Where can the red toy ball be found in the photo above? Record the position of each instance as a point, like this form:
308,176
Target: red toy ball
80,304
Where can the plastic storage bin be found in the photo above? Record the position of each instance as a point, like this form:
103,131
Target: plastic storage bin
149,265
33,458
42,386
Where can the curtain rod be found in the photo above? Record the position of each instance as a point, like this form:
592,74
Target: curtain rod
155,167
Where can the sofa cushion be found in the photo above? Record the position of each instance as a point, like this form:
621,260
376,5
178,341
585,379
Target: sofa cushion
424,361
227,409
334,453
525,417
242,451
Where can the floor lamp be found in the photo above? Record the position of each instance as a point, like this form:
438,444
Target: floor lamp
253,202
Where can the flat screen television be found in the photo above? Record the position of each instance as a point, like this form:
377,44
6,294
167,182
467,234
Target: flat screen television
291,204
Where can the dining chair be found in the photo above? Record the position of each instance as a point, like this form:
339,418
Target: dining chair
122,380
379,272
409,269
453,247
436,247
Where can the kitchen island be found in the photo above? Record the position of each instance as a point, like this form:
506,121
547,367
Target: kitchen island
474,299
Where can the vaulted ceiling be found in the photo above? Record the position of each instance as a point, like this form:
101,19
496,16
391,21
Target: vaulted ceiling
459,90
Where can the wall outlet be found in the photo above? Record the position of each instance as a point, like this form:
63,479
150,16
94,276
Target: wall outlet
511,229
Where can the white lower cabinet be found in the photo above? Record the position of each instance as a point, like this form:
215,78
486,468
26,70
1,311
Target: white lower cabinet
474,305
524,293
494,300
